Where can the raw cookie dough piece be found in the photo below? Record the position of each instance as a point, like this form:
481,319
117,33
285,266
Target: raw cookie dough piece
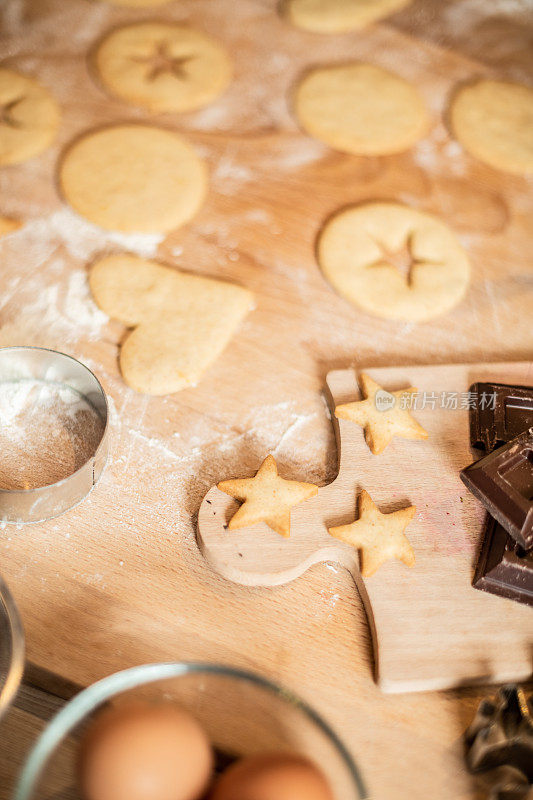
29,117
338,16
266,498
361,109
493,120
134,178
162,66
379,537
181,322
364,252
383,415
8,225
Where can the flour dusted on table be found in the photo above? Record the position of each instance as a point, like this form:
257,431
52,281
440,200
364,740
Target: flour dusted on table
46,303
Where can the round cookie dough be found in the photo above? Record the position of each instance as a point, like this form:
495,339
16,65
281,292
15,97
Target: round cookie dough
361,109
134,178
363,249
29,117
493,120
339,16
163,66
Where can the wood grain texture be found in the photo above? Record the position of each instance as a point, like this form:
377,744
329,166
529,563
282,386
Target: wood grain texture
430,628
119,580
19,729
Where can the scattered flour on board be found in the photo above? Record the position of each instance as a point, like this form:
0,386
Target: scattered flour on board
160,446
229,176
300,152
214,116
276,429
470,12
331,598
259,215
53,313
53,303
434,157
184,465
82,239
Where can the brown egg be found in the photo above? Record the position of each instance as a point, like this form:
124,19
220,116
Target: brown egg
276,776
145,752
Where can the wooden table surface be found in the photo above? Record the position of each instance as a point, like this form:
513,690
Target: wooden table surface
119,580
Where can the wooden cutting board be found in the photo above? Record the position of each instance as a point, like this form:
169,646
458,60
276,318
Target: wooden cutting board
430,628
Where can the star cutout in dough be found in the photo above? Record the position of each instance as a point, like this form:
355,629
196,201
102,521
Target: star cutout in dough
381,415
379,537
6,113
266,498
403,259
161,61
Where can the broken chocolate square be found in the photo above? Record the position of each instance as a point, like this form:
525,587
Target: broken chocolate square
503,482
499,413
503,567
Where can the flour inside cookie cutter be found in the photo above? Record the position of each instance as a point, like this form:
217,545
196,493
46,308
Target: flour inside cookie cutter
42,502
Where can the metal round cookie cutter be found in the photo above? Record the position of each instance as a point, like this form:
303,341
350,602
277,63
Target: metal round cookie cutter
44,502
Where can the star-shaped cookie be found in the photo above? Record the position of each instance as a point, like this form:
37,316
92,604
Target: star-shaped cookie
381,415
379,537
266,498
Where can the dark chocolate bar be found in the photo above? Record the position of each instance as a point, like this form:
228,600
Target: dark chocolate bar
503,568
498,414
503,482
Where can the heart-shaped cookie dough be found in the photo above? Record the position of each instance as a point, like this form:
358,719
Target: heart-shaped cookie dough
181,322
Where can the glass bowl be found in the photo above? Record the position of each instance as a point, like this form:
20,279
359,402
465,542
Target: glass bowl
242,713
11,649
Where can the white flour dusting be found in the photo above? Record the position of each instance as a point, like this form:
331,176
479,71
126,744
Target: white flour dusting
214,116
50,314
82,239
162,449
46,303
276,429
229,176
470,12
259,215
331,598
178,468
79,308
440,157
299,152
